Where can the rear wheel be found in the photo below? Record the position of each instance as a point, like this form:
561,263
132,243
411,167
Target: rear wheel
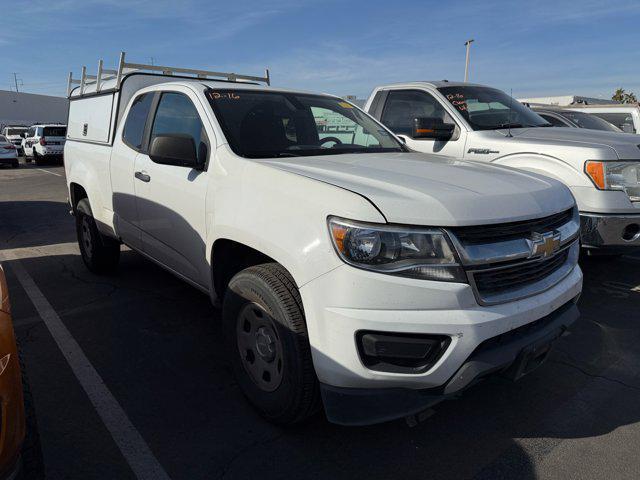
99,253
16,164
36,157
266,337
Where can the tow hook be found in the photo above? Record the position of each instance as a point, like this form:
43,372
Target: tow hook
414,420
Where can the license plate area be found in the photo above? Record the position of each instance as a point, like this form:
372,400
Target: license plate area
531,356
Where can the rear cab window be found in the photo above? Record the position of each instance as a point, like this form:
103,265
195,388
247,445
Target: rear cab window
133,132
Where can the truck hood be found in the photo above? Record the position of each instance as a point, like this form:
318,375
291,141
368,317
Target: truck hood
625,146
433,190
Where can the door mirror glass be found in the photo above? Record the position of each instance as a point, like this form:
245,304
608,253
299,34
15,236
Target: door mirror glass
174,149
430,127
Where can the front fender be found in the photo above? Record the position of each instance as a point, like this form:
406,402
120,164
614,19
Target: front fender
546,165
280,214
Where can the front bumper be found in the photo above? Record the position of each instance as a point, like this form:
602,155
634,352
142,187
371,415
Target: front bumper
514,353
611,232
346,300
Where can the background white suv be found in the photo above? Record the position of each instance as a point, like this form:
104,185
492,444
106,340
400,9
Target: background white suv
45,143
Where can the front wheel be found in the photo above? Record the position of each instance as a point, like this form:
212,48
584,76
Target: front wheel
36,157
99,253
266,337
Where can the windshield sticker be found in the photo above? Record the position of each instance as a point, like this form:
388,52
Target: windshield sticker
345,105
458,101
224,95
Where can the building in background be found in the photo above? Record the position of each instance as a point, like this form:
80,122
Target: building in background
18,108
566,100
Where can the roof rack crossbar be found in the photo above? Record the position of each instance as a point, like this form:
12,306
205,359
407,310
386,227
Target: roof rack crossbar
125,67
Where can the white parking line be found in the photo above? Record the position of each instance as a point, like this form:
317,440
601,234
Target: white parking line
47,171
133,447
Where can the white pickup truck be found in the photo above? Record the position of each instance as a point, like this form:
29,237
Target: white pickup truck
474,122
360,276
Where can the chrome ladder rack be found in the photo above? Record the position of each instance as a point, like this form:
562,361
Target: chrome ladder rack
105,74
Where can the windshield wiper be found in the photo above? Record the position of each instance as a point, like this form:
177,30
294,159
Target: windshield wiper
508,125
271,154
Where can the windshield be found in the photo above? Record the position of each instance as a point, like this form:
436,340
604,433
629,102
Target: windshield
262,124
15,131
585,120
490,109
55,131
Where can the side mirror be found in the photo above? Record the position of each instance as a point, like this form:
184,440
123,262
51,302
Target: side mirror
428,127
175,149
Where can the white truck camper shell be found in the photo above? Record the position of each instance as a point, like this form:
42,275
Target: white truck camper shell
95,118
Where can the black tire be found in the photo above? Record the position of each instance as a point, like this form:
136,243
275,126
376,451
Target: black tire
99,253
16,164
268,294
31,453
36,157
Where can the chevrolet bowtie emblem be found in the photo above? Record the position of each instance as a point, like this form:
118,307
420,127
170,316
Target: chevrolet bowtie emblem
544,244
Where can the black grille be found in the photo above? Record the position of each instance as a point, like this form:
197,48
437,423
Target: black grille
510,231
499,281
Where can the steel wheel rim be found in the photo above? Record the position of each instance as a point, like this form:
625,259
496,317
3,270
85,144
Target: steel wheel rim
259,347
86,236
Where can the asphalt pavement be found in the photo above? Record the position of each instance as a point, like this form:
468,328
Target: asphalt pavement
140,350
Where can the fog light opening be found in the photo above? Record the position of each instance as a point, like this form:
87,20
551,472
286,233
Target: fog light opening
631,232
400,352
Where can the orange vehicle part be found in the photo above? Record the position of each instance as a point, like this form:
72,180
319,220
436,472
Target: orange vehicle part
12,416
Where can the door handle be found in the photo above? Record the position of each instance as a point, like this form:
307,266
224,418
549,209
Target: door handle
143,176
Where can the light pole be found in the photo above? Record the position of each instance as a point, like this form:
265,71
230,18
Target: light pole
466,63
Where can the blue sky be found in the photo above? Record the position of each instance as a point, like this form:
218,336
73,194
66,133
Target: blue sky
338,46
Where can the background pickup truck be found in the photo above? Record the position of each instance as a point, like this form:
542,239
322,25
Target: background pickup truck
479,123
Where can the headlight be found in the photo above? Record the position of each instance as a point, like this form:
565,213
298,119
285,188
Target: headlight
623,176
407,252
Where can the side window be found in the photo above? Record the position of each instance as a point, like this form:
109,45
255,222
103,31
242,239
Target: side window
403,106
39,132
176,114
556,122
136,120
624,121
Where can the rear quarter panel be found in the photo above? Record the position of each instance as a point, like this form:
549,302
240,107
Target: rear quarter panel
87,165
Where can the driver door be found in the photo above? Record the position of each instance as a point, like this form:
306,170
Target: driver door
403,106
171,199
